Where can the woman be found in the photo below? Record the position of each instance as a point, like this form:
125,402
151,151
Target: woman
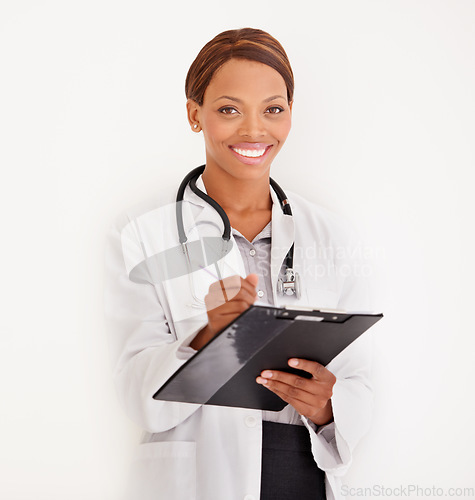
240,96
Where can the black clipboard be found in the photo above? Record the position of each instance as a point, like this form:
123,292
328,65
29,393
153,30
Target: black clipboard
223,372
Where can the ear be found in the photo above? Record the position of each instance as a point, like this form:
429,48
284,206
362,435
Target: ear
193,112
290,105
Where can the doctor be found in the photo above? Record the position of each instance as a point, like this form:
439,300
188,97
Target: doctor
240,97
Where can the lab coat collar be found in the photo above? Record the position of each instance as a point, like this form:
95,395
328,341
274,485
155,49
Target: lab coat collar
282,227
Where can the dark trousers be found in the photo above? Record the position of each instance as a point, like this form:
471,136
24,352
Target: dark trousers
288,469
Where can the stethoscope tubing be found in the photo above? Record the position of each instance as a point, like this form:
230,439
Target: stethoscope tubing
191,178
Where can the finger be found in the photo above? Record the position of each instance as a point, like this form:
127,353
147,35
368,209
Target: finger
302,407
246,295
234,282
220,306
313,393
275,376
231,286
215,299
230,283
253,279
249,286
225,289
233,307
317,370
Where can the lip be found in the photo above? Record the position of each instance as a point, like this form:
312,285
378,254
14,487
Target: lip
252,146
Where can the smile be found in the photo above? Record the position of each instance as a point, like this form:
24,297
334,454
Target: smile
250,152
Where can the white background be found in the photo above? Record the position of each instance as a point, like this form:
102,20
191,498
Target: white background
92,121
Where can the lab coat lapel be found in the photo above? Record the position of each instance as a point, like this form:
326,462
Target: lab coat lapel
204,215
207,220
281,240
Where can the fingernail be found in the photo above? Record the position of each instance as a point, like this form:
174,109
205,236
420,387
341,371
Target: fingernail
261,380
266,374
293,362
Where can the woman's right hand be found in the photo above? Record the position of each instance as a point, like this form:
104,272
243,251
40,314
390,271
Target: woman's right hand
225,301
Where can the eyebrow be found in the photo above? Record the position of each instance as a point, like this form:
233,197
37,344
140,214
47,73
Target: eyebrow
235,99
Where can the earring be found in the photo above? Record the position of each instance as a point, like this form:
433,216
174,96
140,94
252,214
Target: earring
195,126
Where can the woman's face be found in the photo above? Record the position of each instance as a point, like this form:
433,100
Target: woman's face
245,118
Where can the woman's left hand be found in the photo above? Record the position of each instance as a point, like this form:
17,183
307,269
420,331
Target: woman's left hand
309,396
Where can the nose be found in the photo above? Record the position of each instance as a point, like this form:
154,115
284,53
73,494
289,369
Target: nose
252,125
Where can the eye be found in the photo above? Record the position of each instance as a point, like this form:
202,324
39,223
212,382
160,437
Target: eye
227,110
274,110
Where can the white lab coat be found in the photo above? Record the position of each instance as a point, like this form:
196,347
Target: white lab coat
192,451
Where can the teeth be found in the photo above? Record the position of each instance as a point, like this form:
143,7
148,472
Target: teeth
250,153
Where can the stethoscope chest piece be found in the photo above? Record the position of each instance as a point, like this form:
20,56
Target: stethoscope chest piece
289,284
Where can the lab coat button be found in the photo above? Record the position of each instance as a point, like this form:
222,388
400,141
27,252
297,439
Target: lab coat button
249,497
250,422
252,252
260,293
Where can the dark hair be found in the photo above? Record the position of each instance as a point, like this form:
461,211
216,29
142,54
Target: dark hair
245,43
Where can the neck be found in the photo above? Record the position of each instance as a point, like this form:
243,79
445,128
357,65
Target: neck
237,195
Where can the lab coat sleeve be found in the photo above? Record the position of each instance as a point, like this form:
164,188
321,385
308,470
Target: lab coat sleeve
352,402
144,353
352,399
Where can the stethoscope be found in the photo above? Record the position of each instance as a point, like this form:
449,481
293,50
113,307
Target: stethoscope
288,284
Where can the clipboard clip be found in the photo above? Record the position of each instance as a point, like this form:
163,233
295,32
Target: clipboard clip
310,314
